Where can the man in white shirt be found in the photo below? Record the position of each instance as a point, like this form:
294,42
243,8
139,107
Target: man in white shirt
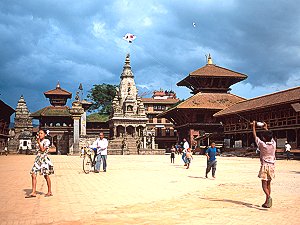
288,148
101,144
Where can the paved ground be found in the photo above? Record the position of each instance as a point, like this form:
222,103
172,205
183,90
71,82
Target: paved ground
148,190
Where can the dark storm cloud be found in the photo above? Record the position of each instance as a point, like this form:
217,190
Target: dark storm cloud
81,41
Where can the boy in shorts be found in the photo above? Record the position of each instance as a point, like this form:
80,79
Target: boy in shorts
267,147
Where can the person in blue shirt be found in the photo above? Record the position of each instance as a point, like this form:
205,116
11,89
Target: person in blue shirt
211,160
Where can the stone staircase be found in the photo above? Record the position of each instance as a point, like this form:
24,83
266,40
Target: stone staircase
115,146
131,145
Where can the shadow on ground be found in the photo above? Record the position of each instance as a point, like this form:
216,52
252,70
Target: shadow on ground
197,177
28,192
249,205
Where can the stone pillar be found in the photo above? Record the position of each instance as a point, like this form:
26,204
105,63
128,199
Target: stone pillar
83,124
153,142
145,142
76,112
115,132
135,134
76,129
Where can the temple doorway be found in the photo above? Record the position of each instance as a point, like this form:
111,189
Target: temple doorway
130,130
120,131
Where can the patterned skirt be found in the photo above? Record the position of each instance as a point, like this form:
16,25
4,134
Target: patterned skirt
42,165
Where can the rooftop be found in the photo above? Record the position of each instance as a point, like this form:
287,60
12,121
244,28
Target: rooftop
6,109
287,96
160,101
52,111
216,71
217,101
58,91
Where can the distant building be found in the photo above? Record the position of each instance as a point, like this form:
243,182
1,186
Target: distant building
193,118
280,110
165,134
5,113
96,123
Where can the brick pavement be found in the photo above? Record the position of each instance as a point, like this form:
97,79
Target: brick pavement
148,190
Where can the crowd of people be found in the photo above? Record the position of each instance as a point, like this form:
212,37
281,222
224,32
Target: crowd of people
265,144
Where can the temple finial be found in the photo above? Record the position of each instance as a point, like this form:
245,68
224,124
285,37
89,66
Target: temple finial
209,59
58,84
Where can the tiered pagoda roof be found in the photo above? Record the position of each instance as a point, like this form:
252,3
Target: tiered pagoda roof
58,99
58,96
211,78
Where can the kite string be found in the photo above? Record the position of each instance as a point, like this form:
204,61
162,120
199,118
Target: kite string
243,117
160,63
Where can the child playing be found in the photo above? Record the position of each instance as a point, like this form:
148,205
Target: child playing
189,157
267,147
173,150
211,160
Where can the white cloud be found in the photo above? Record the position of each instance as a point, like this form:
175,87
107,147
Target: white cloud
99,30
147,22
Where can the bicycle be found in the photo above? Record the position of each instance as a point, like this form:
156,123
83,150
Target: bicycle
88,160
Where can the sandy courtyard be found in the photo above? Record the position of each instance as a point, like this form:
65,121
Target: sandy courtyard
148,190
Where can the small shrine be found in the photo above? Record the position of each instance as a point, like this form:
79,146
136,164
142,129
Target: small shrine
21,135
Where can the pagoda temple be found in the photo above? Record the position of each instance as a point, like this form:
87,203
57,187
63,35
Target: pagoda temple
193,118
57,119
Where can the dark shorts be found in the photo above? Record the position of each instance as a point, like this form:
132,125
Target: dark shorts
212,164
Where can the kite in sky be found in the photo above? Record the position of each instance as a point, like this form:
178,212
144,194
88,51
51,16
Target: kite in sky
194,24
129,37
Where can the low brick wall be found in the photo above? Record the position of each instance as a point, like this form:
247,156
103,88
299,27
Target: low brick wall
152,151
141,152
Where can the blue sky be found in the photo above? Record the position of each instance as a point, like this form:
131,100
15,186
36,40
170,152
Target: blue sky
75,42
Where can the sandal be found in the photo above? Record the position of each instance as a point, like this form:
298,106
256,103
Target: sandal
30,196
48,195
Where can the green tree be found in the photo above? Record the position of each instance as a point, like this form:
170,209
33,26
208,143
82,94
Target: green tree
102,96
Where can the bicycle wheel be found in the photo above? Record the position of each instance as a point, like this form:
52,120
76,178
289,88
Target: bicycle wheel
87,164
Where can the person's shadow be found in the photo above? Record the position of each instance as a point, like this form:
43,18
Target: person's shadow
28,192
198,177
249,205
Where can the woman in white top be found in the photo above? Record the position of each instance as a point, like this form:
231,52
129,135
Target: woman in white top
42,164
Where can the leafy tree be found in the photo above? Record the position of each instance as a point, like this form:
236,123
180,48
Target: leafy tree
102,96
